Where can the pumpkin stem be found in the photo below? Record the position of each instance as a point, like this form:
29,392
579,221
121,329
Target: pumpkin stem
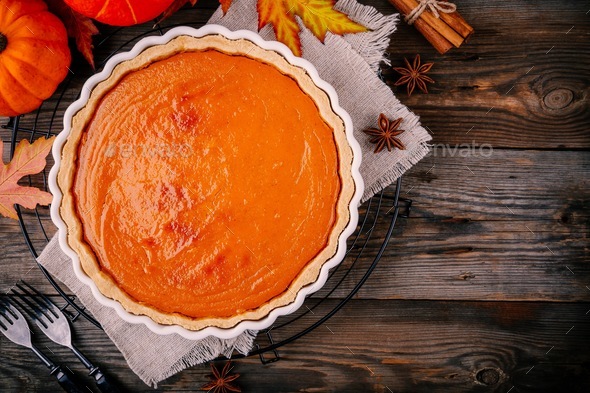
3,42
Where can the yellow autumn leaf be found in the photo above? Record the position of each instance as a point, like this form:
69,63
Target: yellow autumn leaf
320,17
283,22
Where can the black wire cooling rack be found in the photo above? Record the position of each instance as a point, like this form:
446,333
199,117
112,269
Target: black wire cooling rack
377,218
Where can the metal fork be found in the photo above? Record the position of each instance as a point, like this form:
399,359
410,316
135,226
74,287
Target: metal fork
14,326
55,325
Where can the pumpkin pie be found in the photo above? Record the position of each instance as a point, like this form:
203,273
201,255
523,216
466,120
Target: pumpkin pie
205,182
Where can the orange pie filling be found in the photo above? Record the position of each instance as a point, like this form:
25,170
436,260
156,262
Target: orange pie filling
205,183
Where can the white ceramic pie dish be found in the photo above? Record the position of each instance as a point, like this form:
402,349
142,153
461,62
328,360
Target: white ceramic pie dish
246,324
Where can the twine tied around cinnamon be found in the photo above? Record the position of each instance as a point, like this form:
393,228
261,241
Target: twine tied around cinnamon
433,5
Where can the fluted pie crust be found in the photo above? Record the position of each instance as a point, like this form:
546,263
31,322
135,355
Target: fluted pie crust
69,165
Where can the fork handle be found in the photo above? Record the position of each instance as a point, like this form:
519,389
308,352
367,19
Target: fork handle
67,381
104,384
65,378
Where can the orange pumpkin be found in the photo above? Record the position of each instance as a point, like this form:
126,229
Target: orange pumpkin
120,12
34,55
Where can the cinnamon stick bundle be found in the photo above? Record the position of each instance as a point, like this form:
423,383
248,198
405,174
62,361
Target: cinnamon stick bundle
447,31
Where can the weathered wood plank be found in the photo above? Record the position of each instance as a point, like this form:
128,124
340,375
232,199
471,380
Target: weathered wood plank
374,346
480,229
511,226
520,81
510,230
471,236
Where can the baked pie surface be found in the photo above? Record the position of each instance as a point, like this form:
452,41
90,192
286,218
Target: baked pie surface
205,182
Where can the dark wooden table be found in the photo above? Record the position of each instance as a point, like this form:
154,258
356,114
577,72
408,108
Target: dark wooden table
486,287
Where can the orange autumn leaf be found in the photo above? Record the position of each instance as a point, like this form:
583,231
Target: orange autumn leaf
225,5
28,159
319,16
78,26
283,22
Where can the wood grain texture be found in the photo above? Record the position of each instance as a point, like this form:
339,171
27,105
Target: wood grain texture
485,287
471,239
520,82
484,228
418,346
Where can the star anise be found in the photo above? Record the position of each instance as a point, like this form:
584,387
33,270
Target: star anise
220,381
386,134
414,75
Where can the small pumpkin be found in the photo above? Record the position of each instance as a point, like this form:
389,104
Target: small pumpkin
120,12
34,55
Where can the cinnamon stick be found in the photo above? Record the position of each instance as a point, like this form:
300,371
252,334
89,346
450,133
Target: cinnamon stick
437,24
443,33
440,43
457,23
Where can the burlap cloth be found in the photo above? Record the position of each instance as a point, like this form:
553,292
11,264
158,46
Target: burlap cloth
349,64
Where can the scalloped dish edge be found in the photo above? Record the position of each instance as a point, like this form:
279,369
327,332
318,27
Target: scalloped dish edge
243,324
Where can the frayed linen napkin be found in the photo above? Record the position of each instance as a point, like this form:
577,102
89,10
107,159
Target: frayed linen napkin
350,65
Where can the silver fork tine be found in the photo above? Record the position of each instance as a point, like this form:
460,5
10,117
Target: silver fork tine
10,309
55,325
16,329
41,299
34,312
3,326
40,310
4,309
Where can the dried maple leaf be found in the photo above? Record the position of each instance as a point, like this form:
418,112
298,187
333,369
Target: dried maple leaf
414,75
319,16
225,5
78,26
28,159
221,380
283,23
